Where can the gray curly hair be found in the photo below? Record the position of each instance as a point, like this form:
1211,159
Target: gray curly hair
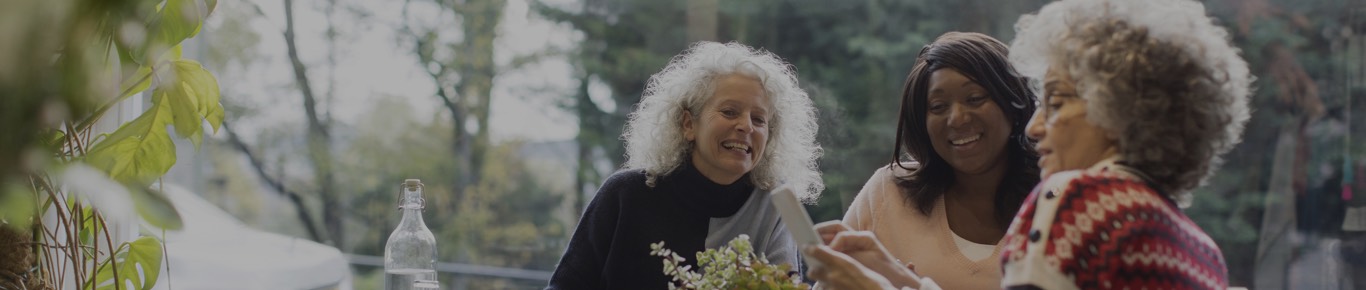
1160,74
654,134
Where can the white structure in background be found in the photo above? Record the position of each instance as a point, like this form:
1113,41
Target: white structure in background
216,251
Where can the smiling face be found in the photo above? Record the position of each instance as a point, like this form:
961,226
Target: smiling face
1066,139
967,129
729,133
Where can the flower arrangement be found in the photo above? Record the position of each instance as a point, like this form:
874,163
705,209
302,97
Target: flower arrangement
734,266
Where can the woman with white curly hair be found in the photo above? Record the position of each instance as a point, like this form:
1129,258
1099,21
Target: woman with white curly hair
1140,98
717,129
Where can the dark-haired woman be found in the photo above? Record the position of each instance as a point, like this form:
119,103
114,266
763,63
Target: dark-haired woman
962,123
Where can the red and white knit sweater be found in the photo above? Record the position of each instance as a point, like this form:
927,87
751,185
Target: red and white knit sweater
1106,228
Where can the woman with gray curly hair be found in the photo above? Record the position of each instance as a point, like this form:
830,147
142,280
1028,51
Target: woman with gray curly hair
1140,98
718,128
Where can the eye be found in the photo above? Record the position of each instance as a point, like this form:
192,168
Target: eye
730,113
760,121
977,99
938,107
1054,105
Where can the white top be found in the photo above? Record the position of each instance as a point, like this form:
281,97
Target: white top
973,251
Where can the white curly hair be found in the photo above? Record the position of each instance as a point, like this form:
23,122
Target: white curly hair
654,134
1159,74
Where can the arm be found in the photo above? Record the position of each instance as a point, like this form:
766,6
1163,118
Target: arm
582,264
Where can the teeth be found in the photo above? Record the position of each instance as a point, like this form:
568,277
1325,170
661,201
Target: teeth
966,140
732,145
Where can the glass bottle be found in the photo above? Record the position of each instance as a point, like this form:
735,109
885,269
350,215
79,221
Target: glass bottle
410,252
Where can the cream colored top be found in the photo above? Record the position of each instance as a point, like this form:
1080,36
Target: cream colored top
913,237
974,251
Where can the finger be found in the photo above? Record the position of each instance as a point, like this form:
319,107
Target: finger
829,229
829,258
831,265
851,241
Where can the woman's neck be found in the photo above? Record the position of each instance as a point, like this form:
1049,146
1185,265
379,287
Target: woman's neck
979,187
970,205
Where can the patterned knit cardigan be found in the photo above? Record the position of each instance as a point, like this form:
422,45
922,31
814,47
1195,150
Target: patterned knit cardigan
1106,228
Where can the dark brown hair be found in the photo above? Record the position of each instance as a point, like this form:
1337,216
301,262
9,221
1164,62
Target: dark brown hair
983,60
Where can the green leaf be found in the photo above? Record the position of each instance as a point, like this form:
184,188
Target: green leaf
17,203
215,116
90,227
136,82
178,20
204,84
139,264
54,139
184,113
193,94
139,151
154,207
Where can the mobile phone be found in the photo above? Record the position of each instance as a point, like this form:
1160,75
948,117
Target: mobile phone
796,220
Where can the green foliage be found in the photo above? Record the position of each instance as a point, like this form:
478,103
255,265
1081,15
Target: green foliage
142,256
56,104
734,266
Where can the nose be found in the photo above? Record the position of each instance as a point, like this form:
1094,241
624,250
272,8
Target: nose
958,116
746,125
1035,128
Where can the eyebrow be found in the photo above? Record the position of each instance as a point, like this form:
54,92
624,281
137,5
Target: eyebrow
966,83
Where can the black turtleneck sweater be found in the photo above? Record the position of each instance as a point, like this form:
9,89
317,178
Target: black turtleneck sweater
610,248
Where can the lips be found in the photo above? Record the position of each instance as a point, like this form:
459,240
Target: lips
1043,154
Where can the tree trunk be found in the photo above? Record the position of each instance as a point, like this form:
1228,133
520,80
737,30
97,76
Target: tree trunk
319,147
475,65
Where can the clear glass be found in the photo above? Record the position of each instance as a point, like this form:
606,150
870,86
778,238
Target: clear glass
410,253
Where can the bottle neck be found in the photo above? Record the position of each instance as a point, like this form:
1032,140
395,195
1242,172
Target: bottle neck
412,207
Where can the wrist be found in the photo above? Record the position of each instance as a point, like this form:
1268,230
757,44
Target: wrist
904,277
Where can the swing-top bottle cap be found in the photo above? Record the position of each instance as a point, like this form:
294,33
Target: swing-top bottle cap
412,184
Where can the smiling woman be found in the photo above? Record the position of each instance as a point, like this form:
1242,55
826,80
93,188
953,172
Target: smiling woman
1143,97
717,129
731,130
945,210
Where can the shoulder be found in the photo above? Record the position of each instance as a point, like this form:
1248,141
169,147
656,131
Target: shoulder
1106,180
889,174
881,184
626,178
622,183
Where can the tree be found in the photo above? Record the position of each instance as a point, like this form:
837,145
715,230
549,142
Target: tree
463,71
